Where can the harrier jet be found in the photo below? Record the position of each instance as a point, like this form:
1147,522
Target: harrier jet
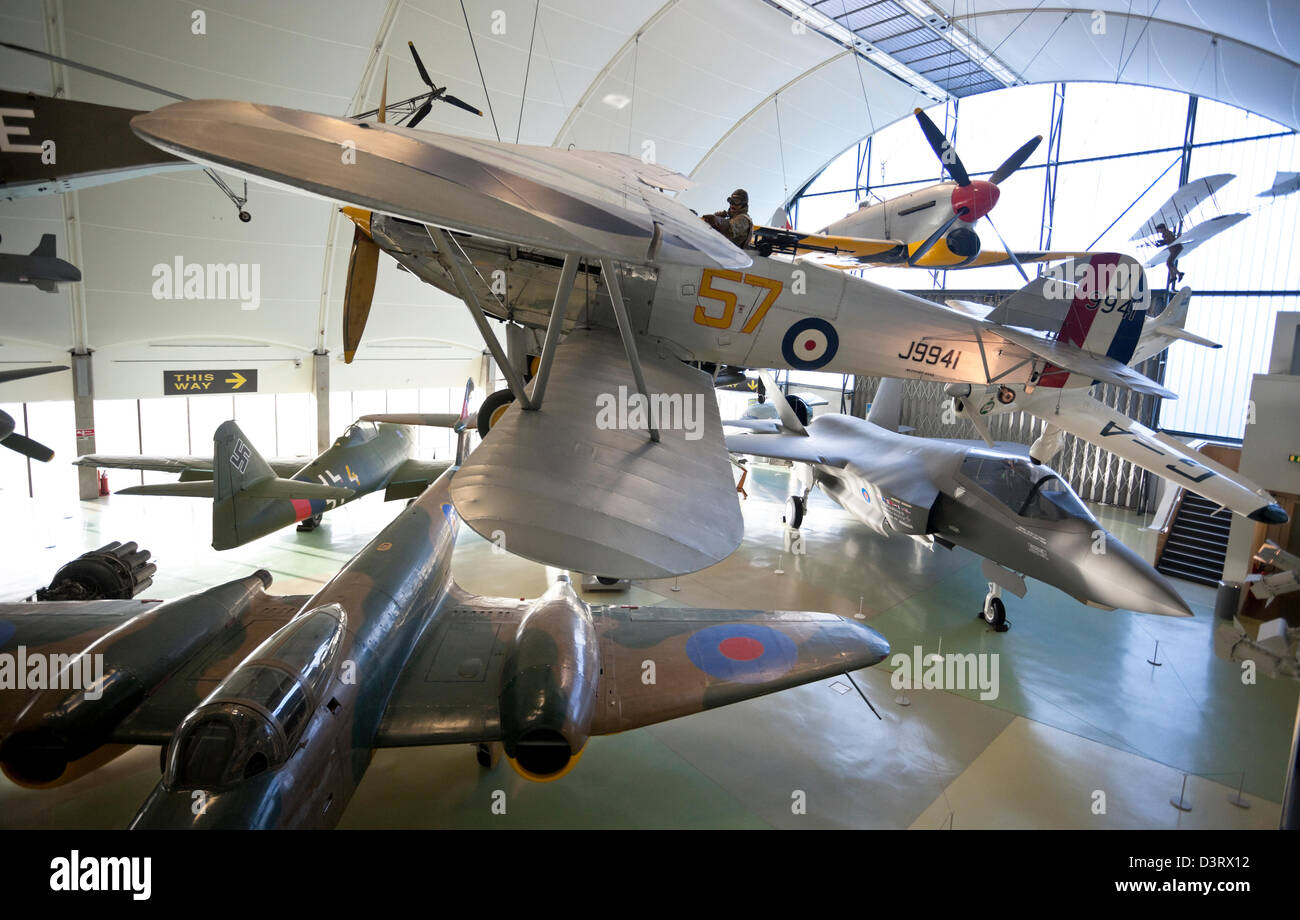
1019,515
269,707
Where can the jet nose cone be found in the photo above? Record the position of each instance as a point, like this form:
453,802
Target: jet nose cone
1121,578
978,199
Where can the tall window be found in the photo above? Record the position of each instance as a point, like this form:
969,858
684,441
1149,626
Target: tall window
1120,157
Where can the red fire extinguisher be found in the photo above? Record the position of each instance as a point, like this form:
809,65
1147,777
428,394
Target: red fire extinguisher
103,482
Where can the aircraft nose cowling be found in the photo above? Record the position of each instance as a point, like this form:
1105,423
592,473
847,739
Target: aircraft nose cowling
1120,578
978,199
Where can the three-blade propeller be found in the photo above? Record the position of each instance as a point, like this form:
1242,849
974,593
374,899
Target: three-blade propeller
436,93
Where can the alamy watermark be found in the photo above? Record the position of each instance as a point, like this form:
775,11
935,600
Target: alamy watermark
183,280
661,411
40,671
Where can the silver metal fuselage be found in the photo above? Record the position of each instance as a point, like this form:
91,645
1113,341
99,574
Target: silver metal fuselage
900,484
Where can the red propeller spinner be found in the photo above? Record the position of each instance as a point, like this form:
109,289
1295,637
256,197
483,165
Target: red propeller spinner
977,198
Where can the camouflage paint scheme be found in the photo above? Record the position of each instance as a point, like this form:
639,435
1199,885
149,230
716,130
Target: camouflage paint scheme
392,653
253,497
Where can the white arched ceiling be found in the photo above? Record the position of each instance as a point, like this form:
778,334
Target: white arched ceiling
704,83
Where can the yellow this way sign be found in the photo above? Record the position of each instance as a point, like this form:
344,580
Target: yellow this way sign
197,382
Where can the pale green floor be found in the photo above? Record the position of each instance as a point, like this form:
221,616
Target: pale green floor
1078,700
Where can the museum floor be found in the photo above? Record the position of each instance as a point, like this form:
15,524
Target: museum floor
1080,710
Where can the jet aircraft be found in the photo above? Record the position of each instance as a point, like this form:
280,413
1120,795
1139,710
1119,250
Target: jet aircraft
41,268
252,497
390,653
1020,516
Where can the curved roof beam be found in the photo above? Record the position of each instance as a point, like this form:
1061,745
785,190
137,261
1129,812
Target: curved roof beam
609,66
1150,20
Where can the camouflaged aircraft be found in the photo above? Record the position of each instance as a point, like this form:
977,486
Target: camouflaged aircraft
269,708
252,497
1019,515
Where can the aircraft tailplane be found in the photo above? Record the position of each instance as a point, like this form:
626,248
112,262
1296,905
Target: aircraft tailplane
249,500
887,405
45,248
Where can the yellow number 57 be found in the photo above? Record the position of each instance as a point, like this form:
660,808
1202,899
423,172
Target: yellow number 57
728,299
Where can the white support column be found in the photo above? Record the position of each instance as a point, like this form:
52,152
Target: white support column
320,365
83,410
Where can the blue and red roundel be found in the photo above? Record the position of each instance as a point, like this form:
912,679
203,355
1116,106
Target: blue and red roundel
742,652
809,344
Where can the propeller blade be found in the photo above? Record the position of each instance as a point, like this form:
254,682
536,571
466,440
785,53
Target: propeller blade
942,148
20,373
383,96
28,448
420,113
461,104
1010,252
1016,160
419,65
363,265
934,238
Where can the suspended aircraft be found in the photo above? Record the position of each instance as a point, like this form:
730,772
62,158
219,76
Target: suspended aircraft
390,653
9,437
1019,515
41,268
252,497
642,285
1170,230
933,227
455,211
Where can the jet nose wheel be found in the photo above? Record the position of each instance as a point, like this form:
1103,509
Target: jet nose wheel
794,509
995,613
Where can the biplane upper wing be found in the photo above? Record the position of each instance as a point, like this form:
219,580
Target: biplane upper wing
578,484
1197,235
598,205
1181,203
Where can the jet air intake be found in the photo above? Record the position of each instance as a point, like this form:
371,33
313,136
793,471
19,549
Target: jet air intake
548,686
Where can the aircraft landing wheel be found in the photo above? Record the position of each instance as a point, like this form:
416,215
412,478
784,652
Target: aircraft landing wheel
492,409
794,510
995,614
245,216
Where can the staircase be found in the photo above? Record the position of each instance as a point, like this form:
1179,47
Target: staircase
1198,542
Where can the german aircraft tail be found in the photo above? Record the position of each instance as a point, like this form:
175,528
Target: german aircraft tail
248,499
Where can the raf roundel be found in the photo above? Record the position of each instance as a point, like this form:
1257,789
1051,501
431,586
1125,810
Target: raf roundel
809,344
742,652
